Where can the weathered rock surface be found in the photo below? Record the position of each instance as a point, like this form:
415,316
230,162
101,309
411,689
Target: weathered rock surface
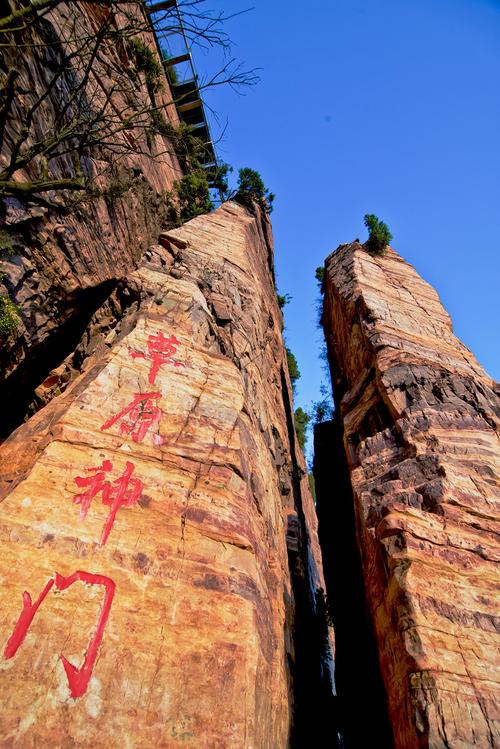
420,428
159,494
59,264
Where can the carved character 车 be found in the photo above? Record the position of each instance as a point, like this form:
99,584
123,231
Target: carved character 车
161,349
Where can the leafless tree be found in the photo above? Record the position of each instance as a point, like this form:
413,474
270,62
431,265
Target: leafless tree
81,86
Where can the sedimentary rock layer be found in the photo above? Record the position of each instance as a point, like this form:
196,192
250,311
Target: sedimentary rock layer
157,529
420,427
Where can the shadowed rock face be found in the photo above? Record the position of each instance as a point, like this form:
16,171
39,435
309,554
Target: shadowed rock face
166,489
420,428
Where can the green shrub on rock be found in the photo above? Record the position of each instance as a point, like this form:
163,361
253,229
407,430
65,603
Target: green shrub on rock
379,234
9,317
283,299
146,62
251,189
301,419
293,367
193,195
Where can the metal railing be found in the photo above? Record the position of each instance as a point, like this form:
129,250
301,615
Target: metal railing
185,92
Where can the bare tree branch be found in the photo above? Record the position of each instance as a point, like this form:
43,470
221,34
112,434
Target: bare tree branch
100,99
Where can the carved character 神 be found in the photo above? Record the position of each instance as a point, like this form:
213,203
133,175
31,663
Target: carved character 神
122,492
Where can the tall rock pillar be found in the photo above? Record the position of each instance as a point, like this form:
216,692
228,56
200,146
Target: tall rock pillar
160,563
419,424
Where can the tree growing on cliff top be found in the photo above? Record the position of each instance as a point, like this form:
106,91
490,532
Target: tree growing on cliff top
251,189
100,89
379,234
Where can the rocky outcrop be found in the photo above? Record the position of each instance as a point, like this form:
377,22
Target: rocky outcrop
419,420
62,253
160,564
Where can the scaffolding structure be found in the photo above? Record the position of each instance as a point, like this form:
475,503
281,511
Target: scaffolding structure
185,91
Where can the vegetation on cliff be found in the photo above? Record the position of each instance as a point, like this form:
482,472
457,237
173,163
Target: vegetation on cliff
379,234
293,367
100,95
283,300
319,275
322,409
251,189
301,420
8,315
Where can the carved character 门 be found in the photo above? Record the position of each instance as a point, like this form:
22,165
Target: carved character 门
78,678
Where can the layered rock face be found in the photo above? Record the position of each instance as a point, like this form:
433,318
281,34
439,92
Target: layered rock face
160,561
419,418
62,253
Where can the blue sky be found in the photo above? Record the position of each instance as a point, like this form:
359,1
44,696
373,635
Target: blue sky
388,107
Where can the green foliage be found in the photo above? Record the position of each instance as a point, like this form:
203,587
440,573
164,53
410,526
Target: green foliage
283,299
169,69
323,408
320,278
7,243
9,317
189,149
251,189
322,411
220,178
379,234
118,185
146,62
192,191
293,367
301,419
193,195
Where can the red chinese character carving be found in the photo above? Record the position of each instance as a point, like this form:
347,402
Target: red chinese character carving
78,678
25,618
123,492
160,352
96,484
142,414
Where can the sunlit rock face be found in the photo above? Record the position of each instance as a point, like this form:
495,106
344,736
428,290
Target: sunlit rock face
160,563
419,418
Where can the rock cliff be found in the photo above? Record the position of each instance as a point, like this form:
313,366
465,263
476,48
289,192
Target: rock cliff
160,564
62,253
418,422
